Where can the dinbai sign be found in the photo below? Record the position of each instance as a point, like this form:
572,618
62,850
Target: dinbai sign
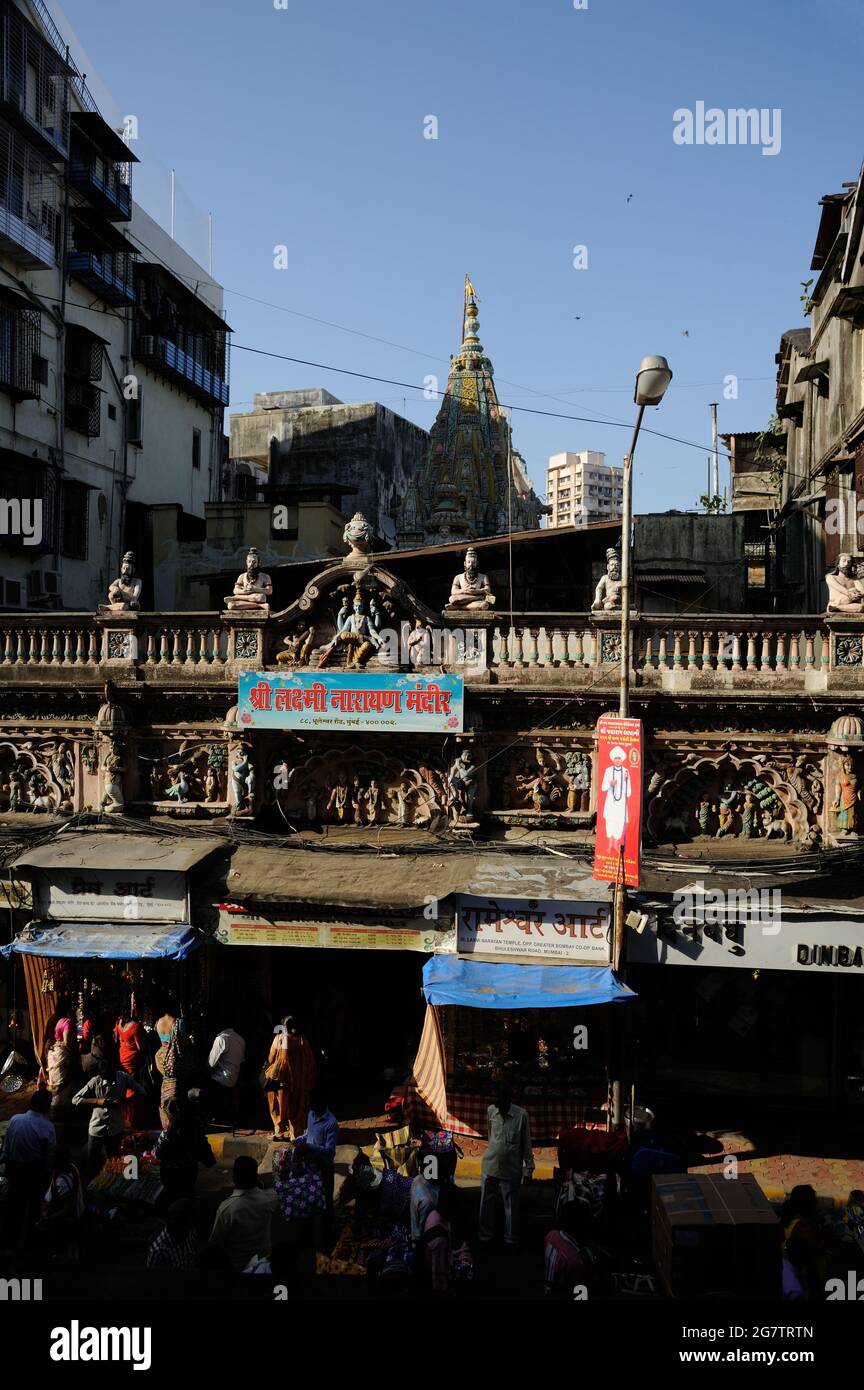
817,944
539,929
350,700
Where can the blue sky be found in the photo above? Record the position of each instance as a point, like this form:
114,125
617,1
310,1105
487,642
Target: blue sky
304,126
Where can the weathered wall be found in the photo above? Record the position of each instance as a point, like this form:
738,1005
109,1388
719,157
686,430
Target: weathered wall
690,540
363,446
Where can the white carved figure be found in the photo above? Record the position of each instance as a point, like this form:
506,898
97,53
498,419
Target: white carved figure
471,588
124,593
252,589
845,588
607,595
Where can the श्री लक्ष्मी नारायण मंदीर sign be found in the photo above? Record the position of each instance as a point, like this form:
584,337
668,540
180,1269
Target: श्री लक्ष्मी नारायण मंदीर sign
346,700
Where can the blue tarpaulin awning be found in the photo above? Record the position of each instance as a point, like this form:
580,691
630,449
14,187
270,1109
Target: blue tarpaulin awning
105,941
489,985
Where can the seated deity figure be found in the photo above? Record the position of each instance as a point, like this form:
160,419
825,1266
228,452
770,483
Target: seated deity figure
471,588
845,588
124,593
252,590
608,592
354,631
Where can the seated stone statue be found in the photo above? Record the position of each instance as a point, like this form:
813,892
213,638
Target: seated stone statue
471,588
845,589
607,595
252,590
124,593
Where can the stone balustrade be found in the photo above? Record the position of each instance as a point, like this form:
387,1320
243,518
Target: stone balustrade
677,653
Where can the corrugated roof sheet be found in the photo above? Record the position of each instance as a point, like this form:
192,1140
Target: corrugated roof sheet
259,874
107,850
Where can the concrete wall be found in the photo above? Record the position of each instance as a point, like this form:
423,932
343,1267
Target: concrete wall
181,568
363,446
713,545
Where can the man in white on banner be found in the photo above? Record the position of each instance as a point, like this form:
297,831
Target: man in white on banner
618,786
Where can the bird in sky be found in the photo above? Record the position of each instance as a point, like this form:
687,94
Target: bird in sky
685,333
629,196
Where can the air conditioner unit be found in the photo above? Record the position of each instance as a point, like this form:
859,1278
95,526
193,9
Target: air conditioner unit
12,593
43,584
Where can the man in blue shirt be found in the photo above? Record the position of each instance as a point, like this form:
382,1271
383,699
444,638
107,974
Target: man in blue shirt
321,1138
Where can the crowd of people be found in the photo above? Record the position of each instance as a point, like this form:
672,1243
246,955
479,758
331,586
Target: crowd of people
402,1215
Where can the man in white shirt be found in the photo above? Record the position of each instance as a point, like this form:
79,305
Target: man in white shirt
29,1152
242,1225
226,1058
508,1155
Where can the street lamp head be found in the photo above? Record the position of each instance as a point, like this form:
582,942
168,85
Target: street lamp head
652,378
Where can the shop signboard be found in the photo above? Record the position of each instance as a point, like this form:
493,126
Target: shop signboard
350,700
111,895
813,943
246,929
619,800
536,929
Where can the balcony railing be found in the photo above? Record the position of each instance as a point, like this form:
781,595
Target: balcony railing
702,654
110,194
28,245
165,356
110,276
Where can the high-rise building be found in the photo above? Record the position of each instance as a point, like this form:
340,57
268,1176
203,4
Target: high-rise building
583,487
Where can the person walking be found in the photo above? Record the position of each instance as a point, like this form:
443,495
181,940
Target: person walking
106,1092
243,1220
180,1148
225,1060
130,1039
29,1154
289,1078
508,1157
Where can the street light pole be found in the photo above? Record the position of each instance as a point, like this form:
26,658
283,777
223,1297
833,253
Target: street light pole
652,379
626,527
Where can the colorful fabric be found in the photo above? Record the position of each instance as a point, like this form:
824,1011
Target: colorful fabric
300,1189
548,1116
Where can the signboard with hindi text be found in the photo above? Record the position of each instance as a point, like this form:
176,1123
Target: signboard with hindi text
245,929
350,700
539,929
112,895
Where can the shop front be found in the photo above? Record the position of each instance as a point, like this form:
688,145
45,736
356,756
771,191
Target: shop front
111,929
751,1002
352,943
528,1000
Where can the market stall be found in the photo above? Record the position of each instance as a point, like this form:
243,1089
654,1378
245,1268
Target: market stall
111,926
543,1029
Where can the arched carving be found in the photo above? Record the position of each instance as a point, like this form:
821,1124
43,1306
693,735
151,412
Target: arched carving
731,795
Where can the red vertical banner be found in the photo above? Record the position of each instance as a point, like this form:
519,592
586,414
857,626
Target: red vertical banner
619,800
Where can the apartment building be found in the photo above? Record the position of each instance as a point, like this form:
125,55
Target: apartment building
113,349
582,487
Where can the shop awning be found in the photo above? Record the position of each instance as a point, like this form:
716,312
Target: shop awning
104,941
117,850
485,985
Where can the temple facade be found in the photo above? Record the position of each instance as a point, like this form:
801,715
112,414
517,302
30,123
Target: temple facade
474,482
346,832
